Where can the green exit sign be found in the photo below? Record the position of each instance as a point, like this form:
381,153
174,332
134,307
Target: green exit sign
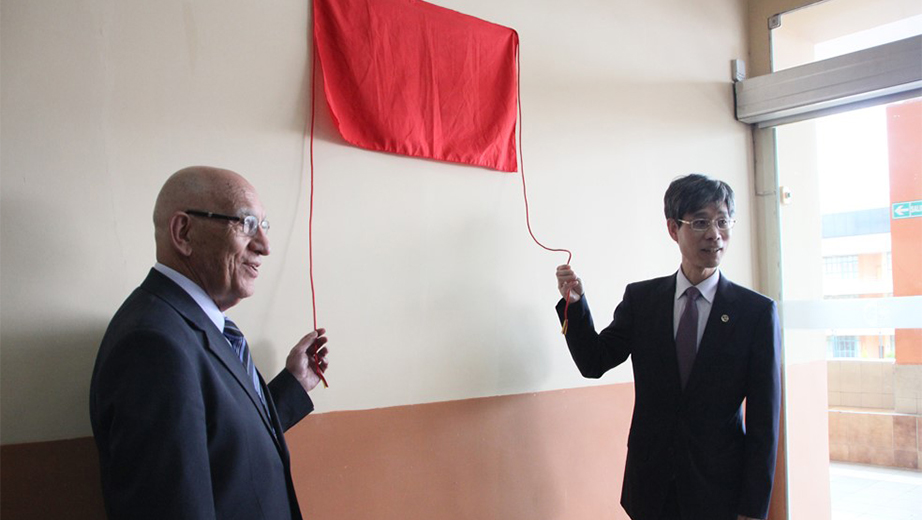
908,209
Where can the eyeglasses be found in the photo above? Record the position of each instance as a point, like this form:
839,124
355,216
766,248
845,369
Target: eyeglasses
704,224
250,223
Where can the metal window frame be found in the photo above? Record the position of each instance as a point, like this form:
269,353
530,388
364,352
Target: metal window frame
882,74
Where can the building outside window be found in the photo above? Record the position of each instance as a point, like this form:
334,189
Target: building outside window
842,346
841,267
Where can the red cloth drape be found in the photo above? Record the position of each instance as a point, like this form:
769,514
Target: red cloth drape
409,77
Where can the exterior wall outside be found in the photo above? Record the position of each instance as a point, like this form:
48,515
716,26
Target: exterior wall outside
872,266
907,388
870,278
864,383
905,128
882,439
877,347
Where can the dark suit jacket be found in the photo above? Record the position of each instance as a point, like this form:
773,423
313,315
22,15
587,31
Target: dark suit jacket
180,429
695,437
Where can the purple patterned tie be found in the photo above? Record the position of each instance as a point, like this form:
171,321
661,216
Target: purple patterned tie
686,338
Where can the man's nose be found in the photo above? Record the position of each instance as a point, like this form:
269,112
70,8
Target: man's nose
260,242
712,232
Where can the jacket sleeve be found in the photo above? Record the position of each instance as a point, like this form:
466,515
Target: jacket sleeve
763,406
291,401
596,353
151,410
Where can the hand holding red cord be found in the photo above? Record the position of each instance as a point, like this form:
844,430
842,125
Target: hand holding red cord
571,288
318,365
569,285
307,360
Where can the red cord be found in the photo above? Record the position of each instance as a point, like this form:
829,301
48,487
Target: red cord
310,221
524,193
518,71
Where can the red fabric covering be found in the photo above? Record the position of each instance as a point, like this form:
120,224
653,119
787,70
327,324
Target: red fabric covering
409,77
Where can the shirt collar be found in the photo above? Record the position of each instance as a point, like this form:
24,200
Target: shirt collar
707,287
197,293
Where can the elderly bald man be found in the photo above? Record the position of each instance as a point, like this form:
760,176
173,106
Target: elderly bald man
185,425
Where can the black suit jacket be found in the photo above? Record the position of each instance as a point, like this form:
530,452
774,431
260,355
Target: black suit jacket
697,437
180,430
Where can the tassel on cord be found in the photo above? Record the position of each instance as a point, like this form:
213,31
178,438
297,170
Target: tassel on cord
518,69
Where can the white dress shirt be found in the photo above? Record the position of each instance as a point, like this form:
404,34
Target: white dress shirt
197,293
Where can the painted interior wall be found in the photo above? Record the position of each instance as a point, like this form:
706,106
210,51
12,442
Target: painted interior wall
427,281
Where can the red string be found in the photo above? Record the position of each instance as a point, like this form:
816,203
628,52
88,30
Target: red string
524,193
518,71
310,221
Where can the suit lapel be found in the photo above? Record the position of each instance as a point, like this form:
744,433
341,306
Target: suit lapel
717,331
664,306
216,343
221,349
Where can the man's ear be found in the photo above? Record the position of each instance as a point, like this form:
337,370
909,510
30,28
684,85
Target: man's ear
180,229
673,227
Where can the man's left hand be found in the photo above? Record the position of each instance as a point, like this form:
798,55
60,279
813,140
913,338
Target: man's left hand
308,358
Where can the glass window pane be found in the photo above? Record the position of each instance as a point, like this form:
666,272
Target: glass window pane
837,27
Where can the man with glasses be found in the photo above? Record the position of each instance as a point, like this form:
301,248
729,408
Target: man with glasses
700,347
185,425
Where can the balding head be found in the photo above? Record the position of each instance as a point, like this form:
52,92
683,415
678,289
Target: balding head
212,252
196,187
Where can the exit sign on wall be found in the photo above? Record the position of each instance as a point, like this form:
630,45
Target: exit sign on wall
909,209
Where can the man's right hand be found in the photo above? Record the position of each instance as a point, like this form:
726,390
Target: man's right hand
569,284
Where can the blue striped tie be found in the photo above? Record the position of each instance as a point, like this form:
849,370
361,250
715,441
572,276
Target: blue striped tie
236,339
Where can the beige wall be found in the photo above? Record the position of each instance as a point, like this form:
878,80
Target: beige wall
427,281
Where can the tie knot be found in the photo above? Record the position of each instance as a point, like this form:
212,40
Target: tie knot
231,330
692,293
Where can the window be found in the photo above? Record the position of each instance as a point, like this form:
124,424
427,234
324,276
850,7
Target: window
842,346
838,169
887,346
841,267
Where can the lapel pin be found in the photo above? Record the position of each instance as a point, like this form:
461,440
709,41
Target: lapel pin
725,318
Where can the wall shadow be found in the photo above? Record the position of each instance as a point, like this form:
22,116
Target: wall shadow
58,479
